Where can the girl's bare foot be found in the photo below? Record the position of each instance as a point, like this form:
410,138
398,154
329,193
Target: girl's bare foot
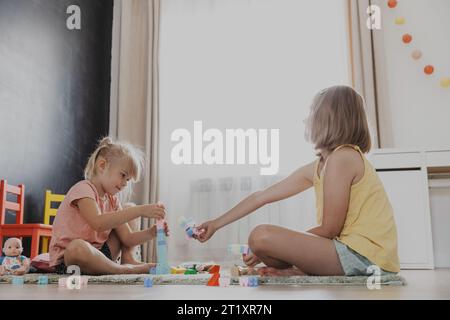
270,271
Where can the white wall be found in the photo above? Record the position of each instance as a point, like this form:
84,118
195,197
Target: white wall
414,109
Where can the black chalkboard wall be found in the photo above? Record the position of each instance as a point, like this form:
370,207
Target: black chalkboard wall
54,93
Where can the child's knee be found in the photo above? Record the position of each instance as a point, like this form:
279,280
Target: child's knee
259,237
76,251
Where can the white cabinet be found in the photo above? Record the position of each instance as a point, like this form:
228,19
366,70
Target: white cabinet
406,193
404,176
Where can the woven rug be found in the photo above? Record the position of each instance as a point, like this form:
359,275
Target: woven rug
202,279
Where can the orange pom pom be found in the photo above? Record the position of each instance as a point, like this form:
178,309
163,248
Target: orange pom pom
407,38
392,4
429,69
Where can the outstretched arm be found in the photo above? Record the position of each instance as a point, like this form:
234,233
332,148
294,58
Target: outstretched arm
295,183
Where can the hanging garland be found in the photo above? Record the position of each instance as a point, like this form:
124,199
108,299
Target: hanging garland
416,54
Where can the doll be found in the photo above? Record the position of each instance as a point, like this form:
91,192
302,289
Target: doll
13,262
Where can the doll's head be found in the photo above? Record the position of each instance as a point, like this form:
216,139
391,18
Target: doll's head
12,247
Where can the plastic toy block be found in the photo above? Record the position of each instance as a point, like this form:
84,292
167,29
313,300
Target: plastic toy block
224,282
161,249
42,280
84,280
237,271
62,282
189,227
177,270
17,281
214,269
152,270
214,281
253,282
148,282
238,249
243,281
191,271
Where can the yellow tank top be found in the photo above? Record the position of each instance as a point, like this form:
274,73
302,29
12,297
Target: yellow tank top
369,227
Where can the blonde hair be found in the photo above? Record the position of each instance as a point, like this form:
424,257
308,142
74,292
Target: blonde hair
338,117
112,150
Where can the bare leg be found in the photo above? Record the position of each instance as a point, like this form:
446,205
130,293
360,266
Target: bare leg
280,248
118,250
92,261
128,253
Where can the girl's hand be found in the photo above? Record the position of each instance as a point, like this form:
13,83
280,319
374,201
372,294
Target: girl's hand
206,229
153,229
156,211
250,259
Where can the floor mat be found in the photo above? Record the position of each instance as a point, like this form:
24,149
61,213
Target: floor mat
202,279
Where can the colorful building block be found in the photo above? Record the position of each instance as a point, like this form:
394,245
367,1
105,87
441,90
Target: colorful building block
161,249
17,281
224,282
191,271
214,281
253,282
243,281
177,270
148,282
62,282
214,269
238,249
42,280
188,226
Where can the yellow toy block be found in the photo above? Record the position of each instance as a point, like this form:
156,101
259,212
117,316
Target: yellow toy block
176,270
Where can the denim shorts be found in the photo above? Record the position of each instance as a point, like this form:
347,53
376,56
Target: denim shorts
355,264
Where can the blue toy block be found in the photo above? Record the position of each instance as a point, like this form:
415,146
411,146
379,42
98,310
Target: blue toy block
17,280
252,281
152,270
43,280
161,249
148,282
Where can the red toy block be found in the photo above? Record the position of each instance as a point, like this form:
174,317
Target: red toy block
214,269
214,281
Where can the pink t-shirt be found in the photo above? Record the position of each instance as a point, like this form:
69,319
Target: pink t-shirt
69,224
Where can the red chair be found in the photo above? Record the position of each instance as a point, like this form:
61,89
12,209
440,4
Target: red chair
19,229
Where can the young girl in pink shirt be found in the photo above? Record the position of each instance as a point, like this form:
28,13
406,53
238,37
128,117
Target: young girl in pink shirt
91,229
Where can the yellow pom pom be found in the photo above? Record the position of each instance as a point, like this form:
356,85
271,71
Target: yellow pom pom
445,82
400,21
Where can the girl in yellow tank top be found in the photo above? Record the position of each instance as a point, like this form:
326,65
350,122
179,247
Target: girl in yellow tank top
356,229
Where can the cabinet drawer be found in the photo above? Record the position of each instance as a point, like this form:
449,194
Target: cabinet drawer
396,160
438,158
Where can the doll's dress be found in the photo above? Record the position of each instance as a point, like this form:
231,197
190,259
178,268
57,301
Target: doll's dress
12,263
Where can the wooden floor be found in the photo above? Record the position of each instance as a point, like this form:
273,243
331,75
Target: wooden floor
422,284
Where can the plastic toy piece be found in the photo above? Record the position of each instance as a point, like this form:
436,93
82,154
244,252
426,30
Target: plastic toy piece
161,249
189,227
239,249
191,271
42,280
152,270
253,282
214,269
237,271
224,282
214,281
17,281
62,282
243,281
177,270
148,282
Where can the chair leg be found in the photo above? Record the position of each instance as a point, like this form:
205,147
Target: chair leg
44,248
1,243
34,244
